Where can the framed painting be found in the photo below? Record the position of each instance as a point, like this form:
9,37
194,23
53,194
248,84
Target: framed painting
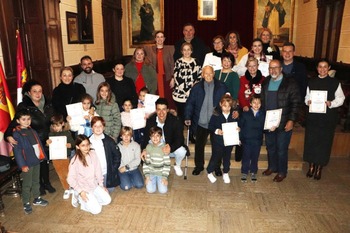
207,10
278,16
145,18
72,27
86,34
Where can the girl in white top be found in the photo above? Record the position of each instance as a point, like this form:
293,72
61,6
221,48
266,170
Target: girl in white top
257,52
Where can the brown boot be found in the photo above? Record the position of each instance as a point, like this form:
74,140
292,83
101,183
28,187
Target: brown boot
311,171
318,172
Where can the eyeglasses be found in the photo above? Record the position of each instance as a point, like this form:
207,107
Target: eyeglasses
274,68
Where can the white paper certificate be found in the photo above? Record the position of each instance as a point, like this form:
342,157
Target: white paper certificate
149,103
273,118
58,147
230,133
75,111
318,101
138,120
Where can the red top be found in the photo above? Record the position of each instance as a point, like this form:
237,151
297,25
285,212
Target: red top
140,81
245,93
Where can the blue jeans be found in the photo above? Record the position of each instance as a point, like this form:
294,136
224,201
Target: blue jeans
250,158
154,182
179,155
130,179
277,143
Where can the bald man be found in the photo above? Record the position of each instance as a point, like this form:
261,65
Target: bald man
204,97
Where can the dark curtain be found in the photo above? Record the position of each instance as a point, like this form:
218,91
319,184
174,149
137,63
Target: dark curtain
232,15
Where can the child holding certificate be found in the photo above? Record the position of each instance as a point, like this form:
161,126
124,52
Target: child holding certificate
28,154
251,124
88,113
222,114
126,121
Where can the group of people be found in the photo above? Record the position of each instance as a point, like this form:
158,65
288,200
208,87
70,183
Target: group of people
229,84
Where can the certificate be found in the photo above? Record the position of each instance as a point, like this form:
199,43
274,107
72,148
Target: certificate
150,103
318,101
58,147
138,120
273,118
230,133
75,111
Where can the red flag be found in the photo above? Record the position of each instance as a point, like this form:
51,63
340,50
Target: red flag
21,68
7,111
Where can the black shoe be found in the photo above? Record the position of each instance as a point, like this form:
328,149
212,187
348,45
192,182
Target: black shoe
311,171
49,188
197,171
318,172
42,190
218,172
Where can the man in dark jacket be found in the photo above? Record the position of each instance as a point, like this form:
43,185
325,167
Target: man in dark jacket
172,132
279,92
204,97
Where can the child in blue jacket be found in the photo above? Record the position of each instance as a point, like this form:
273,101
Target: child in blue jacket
29,152
222,114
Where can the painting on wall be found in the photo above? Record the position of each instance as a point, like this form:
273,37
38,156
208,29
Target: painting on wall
86,35
207,10
277,15
145,18
72,27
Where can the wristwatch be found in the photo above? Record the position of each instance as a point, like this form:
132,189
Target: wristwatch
127,167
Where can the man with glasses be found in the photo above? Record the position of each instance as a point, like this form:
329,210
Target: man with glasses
279,92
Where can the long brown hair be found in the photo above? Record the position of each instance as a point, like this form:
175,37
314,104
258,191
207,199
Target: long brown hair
146,60
78,154
98,96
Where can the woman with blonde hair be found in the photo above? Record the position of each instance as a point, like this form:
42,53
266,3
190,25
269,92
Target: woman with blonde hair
269,48
141,71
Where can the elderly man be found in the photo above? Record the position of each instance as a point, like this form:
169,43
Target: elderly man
279,92
199,47
172,133
204,97
89,78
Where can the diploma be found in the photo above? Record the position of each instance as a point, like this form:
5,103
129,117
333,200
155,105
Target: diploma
150,103
58,147
230,133
318,101
273,118
75,111
138,120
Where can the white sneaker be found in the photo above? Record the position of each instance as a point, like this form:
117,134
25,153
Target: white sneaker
226,178
66,194
178,170
211,177
75,201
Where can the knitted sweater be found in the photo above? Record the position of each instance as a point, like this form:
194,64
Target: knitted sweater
156,163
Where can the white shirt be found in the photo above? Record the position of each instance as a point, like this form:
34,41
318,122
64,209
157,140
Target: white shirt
97,145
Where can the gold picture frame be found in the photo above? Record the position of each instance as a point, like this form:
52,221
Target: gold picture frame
72,27
263,14
140,21
207,10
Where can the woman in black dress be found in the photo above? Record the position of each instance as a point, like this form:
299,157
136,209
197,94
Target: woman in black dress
320,127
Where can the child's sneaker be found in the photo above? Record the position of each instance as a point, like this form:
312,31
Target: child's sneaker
244,178
66,194
27,208
75,201
40,201
211,177
226,178
253,177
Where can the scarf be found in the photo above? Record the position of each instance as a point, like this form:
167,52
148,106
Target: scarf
252,80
